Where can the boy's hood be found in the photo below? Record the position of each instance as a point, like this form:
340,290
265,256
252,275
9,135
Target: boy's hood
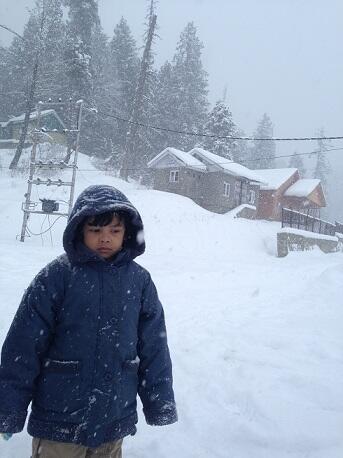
99,199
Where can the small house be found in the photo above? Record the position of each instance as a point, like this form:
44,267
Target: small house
50,121
213,182
285,189
305,195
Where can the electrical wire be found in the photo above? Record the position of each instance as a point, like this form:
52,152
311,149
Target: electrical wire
47,230
228,161
228,137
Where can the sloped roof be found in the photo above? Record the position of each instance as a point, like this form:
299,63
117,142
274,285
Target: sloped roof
184,158
302,188
274,178
33,115
227,165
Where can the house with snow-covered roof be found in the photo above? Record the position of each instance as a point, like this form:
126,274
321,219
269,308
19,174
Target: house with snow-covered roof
10,130
213,182
285,189
305,194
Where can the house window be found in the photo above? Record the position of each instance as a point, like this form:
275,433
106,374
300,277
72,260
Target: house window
252,197
174,176
226,189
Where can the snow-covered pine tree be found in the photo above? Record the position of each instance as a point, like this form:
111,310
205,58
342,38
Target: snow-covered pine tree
43,33
220,123
296,161
145,144
101,126
322,168
38,58
134,161
85,54
83,21
264,150
188,96
52,81
124,69
164,115
241,152
12,81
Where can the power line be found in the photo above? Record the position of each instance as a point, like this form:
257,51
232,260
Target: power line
229,137
47,230
12,31
295,154
230,162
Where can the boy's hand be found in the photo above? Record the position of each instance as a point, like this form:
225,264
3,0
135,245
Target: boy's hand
6,436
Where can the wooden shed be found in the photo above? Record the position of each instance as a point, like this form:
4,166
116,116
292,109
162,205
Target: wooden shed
285,189
305,195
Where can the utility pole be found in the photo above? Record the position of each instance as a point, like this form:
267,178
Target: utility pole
50,206
129,156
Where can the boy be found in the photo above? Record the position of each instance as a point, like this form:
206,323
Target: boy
88,336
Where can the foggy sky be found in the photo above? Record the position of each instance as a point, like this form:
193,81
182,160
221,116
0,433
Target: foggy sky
282,57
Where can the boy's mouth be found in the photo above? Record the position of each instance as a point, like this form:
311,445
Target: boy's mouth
104,250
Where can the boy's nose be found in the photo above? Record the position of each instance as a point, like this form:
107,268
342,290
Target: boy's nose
104,238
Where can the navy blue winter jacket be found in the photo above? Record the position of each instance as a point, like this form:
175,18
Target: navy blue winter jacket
88,336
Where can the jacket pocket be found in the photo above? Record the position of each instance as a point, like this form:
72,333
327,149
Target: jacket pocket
59,385
129,384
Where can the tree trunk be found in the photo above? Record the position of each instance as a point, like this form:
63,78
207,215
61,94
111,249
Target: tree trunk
29,107
129,156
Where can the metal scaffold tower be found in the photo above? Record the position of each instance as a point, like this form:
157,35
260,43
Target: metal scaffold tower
42,135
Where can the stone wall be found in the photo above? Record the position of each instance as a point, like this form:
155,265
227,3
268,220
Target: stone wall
297,240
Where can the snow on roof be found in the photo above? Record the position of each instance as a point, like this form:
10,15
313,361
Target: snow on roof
302,188
33,115
275,177
186,158
227,165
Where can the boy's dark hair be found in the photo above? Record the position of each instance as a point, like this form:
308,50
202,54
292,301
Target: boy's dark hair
103,219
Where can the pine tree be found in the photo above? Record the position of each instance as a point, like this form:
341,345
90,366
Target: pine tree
81,26
51,76
36,53
297,162
264,150
124,69
322,168
13,82
241,153
86,55
188,96
164,115
133,160
220,123
124,66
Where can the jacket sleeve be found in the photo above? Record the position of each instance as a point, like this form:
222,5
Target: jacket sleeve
155,369
27,340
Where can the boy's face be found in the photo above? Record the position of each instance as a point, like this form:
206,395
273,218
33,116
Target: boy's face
106,241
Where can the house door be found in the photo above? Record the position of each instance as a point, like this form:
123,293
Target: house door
241,192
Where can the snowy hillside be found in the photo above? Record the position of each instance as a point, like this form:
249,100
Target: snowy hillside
256,341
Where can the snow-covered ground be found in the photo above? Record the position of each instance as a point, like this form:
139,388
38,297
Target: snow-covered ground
256,341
